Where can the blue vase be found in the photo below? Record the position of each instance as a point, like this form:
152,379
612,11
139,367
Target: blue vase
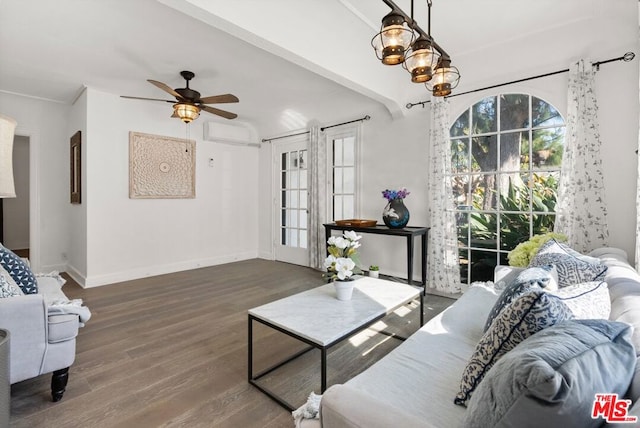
395,214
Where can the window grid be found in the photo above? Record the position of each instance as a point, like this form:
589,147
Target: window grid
343,187
464,212
293,199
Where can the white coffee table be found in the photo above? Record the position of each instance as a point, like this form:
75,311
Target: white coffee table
317,318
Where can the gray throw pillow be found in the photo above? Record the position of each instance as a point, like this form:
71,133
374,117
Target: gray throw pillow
551,379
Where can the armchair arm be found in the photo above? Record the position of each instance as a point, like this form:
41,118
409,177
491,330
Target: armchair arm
26,319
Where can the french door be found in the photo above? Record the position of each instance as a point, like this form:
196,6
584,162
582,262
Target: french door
291,175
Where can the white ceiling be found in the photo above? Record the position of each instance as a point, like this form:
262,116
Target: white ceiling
52,49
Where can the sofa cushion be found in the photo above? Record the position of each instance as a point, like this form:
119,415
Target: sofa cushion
572,267
527,314
8,289
533,278
589,300
19,271
551,378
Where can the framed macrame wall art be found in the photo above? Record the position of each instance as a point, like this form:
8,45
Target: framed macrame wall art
161,167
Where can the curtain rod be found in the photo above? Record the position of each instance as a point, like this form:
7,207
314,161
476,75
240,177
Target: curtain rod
367,117
265,140
626,58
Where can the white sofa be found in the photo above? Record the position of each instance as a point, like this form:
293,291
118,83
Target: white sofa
414,385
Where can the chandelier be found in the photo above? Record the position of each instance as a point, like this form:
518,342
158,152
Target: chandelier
402,41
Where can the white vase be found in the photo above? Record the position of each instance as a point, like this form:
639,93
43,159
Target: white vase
374,273
344,289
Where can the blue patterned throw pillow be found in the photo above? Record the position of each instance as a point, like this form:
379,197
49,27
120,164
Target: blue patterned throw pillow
19,271
572,267
535,278
526,315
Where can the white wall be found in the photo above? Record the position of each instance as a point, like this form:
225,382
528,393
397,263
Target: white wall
77,220
132,238
16,210
44,122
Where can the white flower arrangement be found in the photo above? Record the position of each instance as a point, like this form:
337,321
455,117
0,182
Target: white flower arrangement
342,262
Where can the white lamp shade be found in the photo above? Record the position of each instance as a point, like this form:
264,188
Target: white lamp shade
7,129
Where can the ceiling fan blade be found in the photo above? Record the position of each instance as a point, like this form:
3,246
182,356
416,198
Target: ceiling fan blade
148,99
219,99
225,114
165,88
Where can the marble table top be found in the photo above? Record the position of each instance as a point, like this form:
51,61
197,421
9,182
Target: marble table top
320,317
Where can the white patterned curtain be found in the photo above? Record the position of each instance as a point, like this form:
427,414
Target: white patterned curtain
581,193
443,270
638,202
318,198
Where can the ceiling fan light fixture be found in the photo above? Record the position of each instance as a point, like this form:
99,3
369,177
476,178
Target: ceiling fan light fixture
393,40
420,60
186,112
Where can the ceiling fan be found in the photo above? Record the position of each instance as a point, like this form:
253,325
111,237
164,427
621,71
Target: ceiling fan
188,102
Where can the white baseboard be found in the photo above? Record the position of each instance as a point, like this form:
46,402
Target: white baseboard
143,272
76,275
267,255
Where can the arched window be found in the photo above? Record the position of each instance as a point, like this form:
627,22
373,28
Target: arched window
506,153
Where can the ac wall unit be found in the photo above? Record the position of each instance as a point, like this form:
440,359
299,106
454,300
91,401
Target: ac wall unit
237,134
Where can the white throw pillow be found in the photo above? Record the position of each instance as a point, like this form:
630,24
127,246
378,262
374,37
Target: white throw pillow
588,300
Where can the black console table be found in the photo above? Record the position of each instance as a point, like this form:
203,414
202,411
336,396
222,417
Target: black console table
408,232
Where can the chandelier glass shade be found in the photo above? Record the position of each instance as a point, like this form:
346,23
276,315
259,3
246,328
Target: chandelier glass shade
186,112
420,60
393,40
402,41
445,78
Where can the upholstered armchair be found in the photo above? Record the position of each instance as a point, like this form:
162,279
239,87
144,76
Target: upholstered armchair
43,330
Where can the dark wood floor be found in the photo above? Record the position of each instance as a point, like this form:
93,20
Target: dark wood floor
171,351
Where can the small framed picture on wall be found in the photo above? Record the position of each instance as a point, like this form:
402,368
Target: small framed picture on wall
76,168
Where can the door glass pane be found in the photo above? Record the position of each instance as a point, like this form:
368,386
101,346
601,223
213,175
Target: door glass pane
337,208
303,159
293,160
293,236
347,207
303,219
349,151
303,199
349,185
303,239
294,180
337,181
303,179
337,152
294,218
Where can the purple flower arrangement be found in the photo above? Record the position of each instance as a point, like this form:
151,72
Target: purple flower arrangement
390,195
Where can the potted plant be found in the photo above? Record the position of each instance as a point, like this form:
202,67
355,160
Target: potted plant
342,262
374,271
